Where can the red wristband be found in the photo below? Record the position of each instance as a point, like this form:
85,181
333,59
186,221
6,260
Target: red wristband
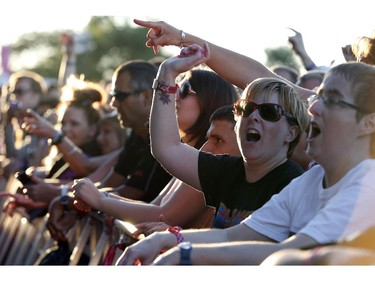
164,88
176,231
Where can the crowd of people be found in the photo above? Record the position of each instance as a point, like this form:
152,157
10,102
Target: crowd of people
214,157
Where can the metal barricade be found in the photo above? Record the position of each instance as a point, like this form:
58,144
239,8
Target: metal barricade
24,242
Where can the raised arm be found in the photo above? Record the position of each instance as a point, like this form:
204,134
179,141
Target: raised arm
299,48
68,62
234,67
177,158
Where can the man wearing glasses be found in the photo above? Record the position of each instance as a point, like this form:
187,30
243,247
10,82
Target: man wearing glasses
138,174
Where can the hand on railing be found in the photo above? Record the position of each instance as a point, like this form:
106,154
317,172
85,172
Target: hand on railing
62,217
17,201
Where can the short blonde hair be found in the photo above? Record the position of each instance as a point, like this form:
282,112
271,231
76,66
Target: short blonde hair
288,99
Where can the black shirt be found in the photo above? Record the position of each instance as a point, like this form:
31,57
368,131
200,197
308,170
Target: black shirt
224,185
140,168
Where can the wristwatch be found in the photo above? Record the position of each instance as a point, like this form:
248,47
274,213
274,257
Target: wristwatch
57,138
185,250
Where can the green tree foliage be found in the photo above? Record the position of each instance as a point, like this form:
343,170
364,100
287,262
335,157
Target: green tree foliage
107,43
282,55
42,50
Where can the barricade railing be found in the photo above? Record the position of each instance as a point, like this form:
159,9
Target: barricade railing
24,242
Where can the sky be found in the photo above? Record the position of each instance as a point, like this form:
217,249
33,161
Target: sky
244,26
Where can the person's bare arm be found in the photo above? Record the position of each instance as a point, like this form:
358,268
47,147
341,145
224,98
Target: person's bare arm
78,161
234,253
68,61
179,159
149,248
298,45
158,199
234,67
105,169
127,208
184,205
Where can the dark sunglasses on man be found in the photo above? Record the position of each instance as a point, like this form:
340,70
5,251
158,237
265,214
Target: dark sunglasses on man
120,95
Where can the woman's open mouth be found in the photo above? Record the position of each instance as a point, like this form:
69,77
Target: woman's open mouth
252,136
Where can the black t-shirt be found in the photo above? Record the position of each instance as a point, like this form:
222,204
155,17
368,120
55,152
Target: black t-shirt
224,185
141,169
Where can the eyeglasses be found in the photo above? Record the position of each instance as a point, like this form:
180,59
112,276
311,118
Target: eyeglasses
119,95
186,90
268,111
331,100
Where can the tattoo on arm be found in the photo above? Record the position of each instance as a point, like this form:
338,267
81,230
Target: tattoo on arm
164,97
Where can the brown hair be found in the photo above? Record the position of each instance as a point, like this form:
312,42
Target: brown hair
212,92
364,49
362,78
85,95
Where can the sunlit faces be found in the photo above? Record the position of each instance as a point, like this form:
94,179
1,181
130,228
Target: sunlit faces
187,108
334,128
76,126
132,109
221,139
24,94
261,140
108,138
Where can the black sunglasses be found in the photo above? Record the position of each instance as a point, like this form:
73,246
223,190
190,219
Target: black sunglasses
268,111
186,90
119,95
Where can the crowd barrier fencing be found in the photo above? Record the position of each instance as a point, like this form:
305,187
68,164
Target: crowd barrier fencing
24,242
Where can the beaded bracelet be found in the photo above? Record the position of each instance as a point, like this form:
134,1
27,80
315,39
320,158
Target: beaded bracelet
176,231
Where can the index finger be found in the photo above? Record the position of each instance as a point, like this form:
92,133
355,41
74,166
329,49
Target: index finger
148,24
292,29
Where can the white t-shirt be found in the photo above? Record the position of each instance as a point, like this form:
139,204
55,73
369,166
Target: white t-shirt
326,215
